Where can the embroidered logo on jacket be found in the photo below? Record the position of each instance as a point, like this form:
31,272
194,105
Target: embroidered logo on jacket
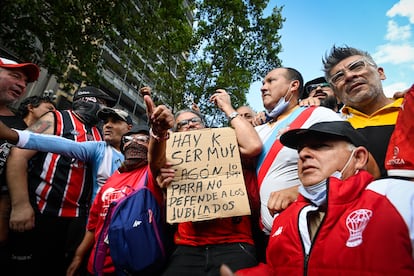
278,231
396,160
137,223
356,223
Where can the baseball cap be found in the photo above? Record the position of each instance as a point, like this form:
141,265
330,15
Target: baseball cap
90,91
31,70
342,130
119,114
312,82
141,128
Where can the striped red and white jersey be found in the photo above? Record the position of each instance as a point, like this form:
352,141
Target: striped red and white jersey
59,185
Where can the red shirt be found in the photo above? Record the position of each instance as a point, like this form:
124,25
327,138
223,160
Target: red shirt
117,186
225,230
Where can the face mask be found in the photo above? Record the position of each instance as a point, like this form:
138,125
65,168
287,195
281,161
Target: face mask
136,155
279,108
346,165
87,111
317,193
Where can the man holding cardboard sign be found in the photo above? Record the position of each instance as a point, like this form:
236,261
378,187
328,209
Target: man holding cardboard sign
208,181
207,194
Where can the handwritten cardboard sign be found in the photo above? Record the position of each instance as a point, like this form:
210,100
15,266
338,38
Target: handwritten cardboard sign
208,180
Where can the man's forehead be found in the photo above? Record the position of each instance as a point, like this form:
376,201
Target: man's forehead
185,116
114,118
346,61
318,138
244,109
278,72
15,70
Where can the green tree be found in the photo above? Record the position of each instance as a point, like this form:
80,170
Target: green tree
235,45
66,37
231,45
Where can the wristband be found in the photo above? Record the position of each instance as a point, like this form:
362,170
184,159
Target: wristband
233,115
158,138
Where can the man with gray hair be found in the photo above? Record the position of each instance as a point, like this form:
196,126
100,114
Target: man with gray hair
357,81
343,222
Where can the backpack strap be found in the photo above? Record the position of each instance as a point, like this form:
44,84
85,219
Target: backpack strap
295,121
102,245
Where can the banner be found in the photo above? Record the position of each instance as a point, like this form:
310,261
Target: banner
208,180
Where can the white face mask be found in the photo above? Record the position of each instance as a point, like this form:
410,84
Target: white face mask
317,193
280,106
339,174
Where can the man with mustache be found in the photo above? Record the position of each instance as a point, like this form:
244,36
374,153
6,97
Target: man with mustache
320,91
203,246
357,81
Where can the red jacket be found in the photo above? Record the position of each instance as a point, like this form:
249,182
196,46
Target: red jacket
362,233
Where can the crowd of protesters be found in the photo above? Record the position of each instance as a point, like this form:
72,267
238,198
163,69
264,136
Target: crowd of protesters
327,188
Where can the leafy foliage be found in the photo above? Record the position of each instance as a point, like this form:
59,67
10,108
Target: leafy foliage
70,34
235,46
230,45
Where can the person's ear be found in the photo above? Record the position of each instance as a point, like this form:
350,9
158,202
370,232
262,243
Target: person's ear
361,156
30,107
294,85
381,72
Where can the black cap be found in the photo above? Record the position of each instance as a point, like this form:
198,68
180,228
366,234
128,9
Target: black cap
337,129
141,128
119,114
90,91
314,81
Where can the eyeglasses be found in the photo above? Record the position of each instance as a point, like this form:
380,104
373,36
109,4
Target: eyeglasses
143,139
183,123
312,87
355,67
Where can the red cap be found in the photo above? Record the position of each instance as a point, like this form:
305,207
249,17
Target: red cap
30,69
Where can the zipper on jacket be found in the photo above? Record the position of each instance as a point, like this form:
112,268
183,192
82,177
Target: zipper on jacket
305,270
307,256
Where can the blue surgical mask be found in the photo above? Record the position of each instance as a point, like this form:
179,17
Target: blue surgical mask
279,108
317,193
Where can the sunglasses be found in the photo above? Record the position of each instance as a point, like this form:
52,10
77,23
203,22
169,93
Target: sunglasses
142,139
312,87
183,123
